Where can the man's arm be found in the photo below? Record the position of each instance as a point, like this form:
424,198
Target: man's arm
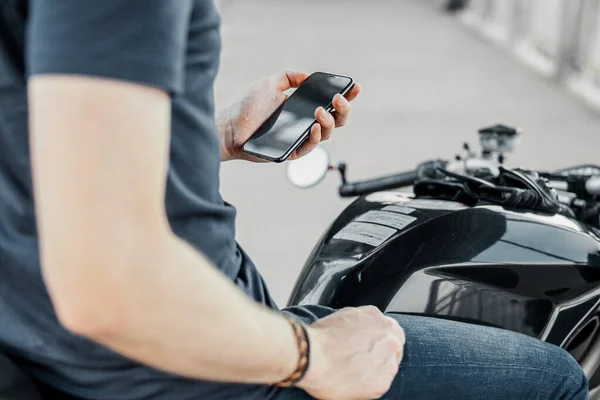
101,76
115,271
118,275
101,73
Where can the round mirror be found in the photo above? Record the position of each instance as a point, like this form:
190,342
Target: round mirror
308,170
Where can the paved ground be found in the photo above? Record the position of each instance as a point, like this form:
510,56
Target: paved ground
428,85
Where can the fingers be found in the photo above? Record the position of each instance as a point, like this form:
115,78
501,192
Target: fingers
290,79
326,121
396,340
314,138
342,110
354,92
372,310
342,106
397,329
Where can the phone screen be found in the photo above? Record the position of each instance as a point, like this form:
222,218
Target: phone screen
290,123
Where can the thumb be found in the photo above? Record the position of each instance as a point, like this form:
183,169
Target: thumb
290,79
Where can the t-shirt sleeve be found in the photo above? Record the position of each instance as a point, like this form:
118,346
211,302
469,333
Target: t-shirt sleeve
140,41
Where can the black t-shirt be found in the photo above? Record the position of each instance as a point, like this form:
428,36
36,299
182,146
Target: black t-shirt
170,44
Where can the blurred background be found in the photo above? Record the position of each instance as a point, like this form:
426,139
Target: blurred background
430,78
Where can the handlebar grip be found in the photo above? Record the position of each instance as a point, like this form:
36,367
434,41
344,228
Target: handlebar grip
375,185
593,186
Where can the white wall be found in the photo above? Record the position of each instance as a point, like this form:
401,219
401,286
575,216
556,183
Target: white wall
593,65
546,26
500,20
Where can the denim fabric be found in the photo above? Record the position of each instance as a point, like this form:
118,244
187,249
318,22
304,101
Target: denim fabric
443,360
448,360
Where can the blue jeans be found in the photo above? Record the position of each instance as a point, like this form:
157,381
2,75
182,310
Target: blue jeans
449,360
443,360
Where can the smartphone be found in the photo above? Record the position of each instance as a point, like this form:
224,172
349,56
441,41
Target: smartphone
289,126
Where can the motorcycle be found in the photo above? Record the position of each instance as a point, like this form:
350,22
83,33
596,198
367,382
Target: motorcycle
474,241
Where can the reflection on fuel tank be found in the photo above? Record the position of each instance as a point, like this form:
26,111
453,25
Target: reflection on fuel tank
475,304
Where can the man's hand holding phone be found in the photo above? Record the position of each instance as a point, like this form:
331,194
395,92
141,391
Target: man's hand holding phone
245,116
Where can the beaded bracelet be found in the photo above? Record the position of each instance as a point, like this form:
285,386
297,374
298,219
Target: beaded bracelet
303,359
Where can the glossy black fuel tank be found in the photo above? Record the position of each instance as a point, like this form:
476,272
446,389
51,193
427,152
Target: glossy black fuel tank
528,272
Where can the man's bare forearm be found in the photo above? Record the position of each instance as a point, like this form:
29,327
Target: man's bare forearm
184,316
114,269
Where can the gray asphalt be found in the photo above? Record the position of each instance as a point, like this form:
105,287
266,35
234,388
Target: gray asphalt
428,85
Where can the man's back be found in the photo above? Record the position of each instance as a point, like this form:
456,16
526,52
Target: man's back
114,45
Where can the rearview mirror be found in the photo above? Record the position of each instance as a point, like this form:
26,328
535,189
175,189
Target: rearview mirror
309,170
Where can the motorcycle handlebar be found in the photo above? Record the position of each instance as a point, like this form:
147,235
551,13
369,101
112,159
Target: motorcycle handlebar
374,185
592,185
580,186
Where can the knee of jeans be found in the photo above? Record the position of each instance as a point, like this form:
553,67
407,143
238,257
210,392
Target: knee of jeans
564,365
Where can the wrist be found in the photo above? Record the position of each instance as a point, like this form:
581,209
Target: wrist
225,128
291,355
302,357
316,372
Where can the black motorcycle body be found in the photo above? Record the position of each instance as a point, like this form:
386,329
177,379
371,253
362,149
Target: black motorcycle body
526,272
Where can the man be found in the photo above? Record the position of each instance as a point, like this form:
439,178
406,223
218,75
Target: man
139,290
